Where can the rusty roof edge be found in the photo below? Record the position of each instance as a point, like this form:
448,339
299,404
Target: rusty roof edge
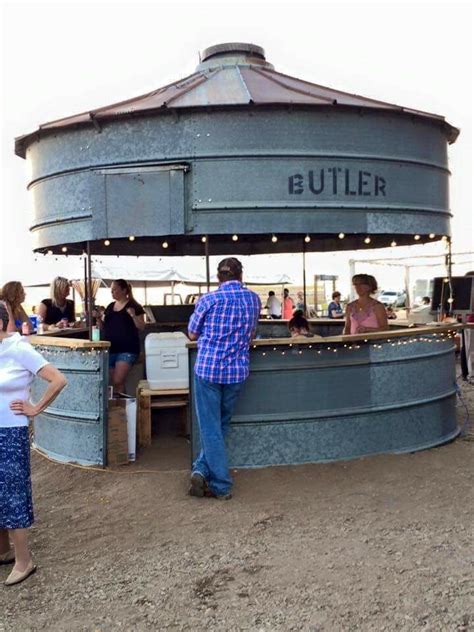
264,71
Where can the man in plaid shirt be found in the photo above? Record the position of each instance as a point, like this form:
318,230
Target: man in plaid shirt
223,323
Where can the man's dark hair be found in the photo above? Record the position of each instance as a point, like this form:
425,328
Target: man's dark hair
335,295
426,300
286,291
229,269
271,293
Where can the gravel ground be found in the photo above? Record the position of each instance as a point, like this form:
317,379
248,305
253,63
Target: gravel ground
382,543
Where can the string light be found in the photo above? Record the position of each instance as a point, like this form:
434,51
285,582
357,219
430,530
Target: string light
64,249
367,240
106,242
50,252
417,237
341,235
393,244
376,346
132,238
235,238
431,235
274,239
307,239
165,244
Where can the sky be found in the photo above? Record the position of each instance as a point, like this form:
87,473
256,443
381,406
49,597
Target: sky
62,58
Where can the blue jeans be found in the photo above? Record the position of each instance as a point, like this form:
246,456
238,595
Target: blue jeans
214,406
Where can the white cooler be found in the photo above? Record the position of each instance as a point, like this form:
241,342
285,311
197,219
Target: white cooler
167,360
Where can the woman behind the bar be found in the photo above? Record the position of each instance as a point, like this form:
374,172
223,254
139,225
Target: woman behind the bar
19,363
12,296
58,310
298,325
120,325
365,314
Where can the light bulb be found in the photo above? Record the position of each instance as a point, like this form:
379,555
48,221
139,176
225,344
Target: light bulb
341,235
417,237
235,238
204,239
367,240
307,239
431,235
165,244
50,252
132,238
274,239
64,249
106,242
393,244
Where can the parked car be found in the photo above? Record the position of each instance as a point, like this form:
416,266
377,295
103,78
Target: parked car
393,298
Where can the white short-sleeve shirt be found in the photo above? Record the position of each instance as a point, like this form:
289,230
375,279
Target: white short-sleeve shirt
19,363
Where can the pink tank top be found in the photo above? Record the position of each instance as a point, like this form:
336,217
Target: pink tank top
364,318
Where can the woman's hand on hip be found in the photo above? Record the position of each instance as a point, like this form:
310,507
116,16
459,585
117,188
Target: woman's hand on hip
21,407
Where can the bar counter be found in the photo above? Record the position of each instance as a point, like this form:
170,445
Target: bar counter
74,428
308,399
343,397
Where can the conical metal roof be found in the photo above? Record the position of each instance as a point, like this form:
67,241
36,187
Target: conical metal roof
233,74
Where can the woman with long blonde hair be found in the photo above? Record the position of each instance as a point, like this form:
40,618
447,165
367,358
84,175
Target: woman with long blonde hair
12,313
58,310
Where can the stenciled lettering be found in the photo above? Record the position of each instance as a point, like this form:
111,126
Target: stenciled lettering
338,181
295,184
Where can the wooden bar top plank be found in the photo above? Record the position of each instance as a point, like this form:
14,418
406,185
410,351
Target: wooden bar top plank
68,343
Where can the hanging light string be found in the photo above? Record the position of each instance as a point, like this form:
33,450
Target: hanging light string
322,348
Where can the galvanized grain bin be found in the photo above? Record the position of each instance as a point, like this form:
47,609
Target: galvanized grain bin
239,152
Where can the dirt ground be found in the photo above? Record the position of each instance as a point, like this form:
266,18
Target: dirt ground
381,543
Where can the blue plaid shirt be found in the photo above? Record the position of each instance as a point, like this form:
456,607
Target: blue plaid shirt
225,321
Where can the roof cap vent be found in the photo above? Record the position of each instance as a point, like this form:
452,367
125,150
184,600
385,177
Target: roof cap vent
231,49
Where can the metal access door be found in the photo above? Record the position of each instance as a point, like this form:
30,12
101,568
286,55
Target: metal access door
145,200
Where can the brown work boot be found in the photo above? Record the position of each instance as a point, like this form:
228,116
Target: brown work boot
198,485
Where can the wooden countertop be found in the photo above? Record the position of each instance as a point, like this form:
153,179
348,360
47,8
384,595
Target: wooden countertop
377,335
69,343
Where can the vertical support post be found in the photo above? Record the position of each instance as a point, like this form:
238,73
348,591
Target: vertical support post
305,311
449,270
84,298
208,270
145,287
89,290
352,273
407,289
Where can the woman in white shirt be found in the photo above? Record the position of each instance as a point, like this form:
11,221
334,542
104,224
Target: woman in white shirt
19,363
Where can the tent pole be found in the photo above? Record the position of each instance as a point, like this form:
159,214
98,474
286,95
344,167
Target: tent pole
304,279
146,294
208,270
89,290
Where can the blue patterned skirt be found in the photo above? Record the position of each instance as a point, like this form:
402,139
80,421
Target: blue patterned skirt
16,503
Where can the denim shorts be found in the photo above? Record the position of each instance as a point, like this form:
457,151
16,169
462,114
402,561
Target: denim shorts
129,358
